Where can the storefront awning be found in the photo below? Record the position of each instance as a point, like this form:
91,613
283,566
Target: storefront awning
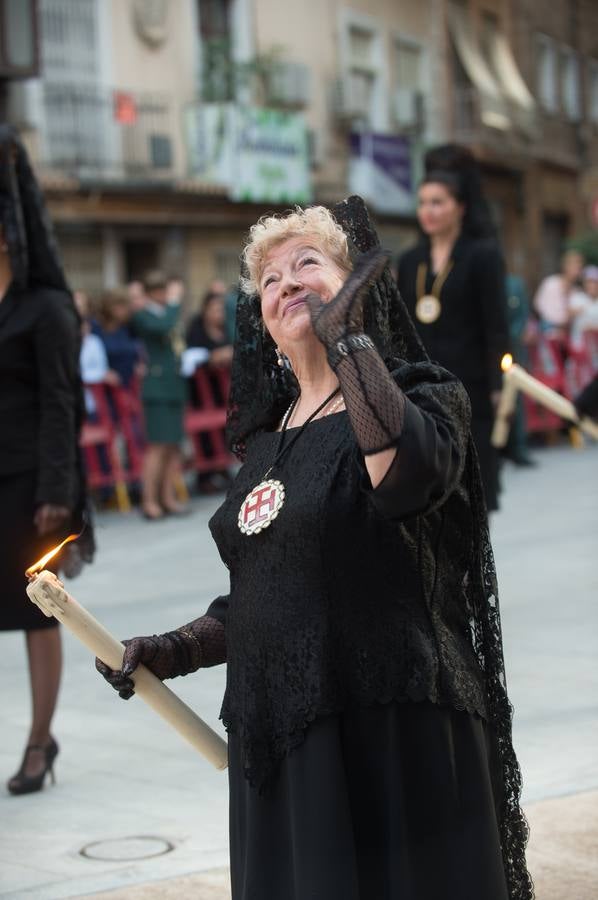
512,83
493,109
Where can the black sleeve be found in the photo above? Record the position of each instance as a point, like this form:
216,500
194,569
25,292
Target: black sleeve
195,333
57,342
586,403
218,609
490,286
433,444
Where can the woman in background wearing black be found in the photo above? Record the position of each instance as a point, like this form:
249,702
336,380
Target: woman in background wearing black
41,487
453,283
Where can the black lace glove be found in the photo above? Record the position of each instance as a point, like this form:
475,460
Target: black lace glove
374,402
194,646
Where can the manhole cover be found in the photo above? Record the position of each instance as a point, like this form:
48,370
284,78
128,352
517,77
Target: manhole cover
126,849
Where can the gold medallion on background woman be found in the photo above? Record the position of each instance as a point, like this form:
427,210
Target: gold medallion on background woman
428,306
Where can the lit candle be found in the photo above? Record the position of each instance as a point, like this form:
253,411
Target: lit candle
47,592
506,405
517,379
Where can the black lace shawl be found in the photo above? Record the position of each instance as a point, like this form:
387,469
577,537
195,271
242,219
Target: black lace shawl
35,263
260,393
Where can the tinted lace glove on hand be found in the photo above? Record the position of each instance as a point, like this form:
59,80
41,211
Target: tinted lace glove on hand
194,646
374,402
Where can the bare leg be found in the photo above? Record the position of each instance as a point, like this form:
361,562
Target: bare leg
173,471
44,651
151,476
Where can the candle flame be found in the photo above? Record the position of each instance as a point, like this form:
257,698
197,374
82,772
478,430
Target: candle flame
506,362
39,565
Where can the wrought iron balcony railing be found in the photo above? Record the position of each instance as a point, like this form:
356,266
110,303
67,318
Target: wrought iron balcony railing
107,135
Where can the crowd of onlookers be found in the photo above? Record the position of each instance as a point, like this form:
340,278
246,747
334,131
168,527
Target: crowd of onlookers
133,340
567,303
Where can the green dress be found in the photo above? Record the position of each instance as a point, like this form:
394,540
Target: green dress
163,387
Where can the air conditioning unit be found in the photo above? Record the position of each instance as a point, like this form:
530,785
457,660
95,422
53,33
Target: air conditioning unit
289,85
347,105
409,111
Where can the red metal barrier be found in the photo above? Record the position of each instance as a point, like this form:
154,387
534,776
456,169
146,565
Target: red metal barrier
113,444
99,442
208,420
546,363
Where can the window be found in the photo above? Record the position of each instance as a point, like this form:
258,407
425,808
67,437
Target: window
546,73
362,71
218,71
593,90
408,66
569,72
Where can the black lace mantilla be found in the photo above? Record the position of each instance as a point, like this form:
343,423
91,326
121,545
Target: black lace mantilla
35,263
430,626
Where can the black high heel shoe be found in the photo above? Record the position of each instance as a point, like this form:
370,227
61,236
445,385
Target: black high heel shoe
28,784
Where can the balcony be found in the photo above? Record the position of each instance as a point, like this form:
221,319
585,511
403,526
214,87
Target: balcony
548,137
96,135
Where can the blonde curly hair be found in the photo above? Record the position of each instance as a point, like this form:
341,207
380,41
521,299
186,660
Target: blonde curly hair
315,223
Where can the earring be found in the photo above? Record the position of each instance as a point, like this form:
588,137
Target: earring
282,360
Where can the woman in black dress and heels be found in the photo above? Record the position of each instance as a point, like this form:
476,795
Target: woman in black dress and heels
453,284
41,403
369,728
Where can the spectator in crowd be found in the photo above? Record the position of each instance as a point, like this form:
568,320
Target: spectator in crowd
518,311
123,348
136,294
207,332
163,398
93,362
42,490
207,329
551,301
453,283
583,307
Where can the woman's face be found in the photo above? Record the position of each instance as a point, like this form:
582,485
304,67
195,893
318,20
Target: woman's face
120,311
590,286
572,265
213,314
438,211
292,270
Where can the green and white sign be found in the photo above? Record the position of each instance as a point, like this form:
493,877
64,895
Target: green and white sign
259,155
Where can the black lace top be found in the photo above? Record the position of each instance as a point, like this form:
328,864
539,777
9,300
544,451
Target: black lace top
348,597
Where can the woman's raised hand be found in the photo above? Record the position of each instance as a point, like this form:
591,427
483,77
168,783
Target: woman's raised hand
343,316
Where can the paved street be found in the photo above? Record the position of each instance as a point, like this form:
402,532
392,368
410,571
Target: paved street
123,775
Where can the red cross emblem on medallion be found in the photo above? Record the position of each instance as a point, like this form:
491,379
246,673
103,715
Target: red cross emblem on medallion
261,506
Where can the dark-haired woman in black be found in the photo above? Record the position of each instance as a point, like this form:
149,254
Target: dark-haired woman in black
41,484
453,284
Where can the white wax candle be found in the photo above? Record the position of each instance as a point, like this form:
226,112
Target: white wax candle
506,408
550,399
47,592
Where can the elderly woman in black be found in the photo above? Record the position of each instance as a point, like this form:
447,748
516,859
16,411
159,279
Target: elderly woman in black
41,405
369,728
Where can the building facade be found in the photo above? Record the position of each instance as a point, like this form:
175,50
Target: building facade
162,129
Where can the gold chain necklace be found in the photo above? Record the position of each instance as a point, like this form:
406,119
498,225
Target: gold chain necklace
428,306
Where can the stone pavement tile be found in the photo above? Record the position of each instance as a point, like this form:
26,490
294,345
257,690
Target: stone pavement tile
562,858
213,885
563,847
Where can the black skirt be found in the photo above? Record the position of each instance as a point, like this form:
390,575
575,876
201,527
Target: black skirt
394,802
488,458
20,546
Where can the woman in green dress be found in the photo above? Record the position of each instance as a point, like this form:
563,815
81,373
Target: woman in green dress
163,397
